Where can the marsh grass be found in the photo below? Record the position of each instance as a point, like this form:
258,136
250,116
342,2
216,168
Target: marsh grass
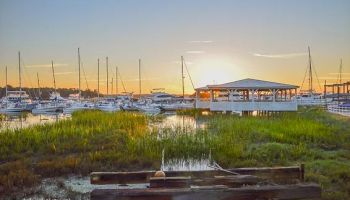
97,141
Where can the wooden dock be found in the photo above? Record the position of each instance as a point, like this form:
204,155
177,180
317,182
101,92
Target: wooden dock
249,183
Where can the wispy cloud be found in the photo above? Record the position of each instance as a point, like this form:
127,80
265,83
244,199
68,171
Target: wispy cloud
47,65
195,52
201,41
289,55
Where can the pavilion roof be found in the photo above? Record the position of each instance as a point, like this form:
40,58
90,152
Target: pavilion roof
250,84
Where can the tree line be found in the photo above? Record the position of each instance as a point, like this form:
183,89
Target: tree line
45,92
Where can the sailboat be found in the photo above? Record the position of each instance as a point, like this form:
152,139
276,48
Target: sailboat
78,105
142,104
16,101
310,97
107,104
55,104
183,103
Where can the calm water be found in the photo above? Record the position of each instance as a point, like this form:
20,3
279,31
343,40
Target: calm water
170,120
16,120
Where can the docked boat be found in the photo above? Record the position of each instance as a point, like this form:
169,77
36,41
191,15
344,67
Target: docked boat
48,107
107,106
176,106
13,108
76,106
148,108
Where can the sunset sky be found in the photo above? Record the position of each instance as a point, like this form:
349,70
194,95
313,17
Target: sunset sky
221,41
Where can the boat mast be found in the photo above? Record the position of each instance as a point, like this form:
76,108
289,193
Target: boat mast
116,80
107,72
112,86
6,85
98,79
6,80
183,78
140,78
340,71
53,74
79,72
310,72
37,76
19,75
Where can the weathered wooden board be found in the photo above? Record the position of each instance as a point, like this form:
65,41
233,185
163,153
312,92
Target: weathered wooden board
170,182
296,191
278,174
231,181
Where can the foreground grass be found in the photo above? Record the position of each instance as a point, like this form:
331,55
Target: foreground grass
96,141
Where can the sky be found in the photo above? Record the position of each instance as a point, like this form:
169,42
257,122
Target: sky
221,41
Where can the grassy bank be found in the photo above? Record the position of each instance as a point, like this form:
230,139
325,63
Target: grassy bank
96,141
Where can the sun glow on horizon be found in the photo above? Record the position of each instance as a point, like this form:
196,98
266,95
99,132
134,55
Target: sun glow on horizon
215,70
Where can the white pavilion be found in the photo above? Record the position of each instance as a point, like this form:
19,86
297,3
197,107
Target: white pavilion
247,95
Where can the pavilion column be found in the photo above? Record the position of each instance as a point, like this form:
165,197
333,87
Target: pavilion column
211,95
273,95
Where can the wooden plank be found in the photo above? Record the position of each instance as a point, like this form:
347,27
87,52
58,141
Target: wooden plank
170,182
283,192
278,174
231,181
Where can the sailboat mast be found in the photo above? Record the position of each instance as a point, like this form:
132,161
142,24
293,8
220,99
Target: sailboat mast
116,80
182,78
107,72
79,72
53,74
19,76
310,72
6,85
112,86
6,81
98,79
140,78
37,76
340,71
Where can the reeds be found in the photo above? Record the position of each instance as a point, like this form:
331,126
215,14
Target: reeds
98,141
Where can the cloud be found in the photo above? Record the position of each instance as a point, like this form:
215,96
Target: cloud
201,41
289,55
195,52
47,65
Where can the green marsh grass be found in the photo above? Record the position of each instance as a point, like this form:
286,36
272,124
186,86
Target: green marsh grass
97,141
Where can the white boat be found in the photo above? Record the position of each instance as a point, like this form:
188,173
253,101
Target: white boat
78,106
107,106
148,108
177,106
48,108
13,107
311,99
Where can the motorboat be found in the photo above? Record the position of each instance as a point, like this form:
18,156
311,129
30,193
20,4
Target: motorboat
107,106
75,106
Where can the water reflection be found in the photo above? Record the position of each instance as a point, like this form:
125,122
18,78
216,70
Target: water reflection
184,123
23,120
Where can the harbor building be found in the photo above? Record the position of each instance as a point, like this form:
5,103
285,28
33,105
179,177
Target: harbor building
247,95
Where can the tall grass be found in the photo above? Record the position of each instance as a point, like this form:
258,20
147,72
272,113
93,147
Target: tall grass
97,141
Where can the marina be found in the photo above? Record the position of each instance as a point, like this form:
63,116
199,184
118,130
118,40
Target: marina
174,100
